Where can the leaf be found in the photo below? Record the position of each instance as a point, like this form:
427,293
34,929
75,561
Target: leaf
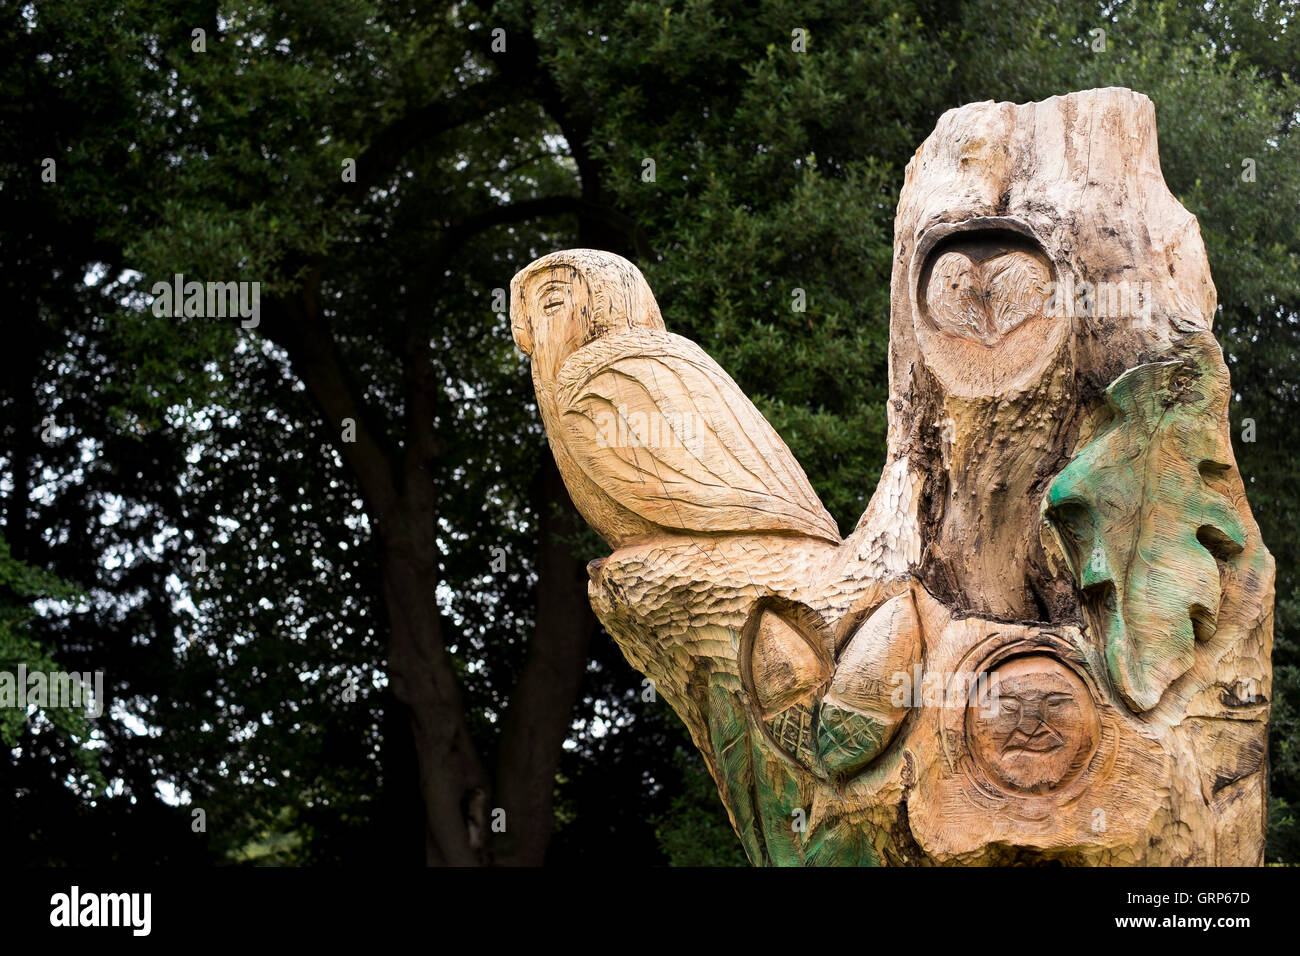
1142,524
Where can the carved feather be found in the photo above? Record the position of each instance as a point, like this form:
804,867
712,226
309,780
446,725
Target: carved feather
662,429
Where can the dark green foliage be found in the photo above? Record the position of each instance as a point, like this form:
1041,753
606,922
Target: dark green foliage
21,586
693,832
775,172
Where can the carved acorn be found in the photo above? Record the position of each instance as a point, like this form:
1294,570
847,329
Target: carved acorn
831,719
861,713
787,670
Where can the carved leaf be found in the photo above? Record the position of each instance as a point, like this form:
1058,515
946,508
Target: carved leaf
664,431
729,737
831,721
1142,524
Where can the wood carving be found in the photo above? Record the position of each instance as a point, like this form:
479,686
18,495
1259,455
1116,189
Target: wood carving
1048,638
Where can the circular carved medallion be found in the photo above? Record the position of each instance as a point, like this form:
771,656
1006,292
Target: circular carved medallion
1037,728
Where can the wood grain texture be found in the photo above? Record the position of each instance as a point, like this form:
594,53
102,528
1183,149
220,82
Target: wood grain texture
1048,638
666,433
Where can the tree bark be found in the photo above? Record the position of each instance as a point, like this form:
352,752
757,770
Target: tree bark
420,669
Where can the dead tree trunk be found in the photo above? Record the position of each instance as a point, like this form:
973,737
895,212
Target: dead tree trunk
1049,636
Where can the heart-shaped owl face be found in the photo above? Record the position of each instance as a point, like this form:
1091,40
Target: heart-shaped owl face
982,289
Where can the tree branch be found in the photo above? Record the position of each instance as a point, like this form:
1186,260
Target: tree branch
461,230
296,324
421,125
521,66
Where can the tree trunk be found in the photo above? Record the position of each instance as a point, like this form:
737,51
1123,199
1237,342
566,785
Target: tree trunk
1049,637
541,708
451,777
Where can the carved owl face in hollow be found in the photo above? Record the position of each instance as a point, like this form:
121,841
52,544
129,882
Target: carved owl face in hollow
983,288
983,307
1070,184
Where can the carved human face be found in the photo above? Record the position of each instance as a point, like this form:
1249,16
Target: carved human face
1042,729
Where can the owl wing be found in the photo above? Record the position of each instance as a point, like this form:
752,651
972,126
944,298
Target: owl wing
665,432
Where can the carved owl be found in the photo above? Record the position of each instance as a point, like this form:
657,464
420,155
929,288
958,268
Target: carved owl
649,432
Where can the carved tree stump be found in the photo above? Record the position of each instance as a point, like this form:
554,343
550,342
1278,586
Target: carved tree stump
1049,636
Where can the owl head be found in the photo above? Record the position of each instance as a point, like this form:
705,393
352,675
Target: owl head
564,300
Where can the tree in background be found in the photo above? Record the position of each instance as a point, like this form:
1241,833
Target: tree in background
341,596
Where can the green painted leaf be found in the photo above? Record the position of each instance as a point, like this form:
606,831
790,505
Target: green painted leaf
841,844
1141,522
783,807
